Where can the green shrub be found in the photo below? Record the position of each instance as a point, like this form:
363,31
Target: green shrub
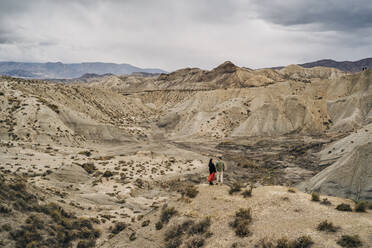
315,196
327,227
235,187
361,206
167,213
344,207
350,241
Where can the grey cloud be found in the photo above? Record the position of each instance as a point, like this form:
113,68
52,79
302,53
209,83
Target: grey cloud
340,15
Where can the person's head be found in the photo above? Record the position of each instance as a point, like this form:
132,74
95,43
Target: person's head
211,160
220,157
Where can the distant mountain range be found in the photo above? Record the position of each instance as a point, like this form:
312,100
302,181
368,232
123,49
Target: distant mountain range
60,70
348,66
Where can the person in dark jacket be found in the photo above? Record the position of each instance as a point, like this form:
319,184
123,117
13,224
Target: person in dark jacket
212,171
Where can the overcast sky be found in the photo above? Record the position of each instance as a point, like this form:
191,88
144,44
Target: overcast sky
172,34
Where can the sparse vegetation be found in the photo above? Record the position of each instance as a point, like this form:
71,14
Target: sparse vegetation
326,226
292,190
107,174
158,225
89,167
235,187
248,192
326,202
344,207
190,191
350,241
201,227
361,206
243,218
119,226
167,213
315,196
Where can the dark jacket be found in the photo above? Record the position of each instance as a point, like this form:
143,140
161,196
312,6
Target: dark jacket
212,168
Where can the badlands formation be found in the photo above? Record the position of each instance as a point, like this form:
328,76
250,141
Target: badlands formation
121,161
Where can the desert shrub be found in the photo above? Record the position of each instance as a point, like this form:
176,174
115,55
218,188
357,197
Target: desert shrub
86,244
107,174
303,242
327,227
344,207
132,236
292,190
361,206
145,223
200,227
86,153
158,225
243,217
235,187
178,230
315,196
167,213
6,227
5,209
119,226
195,242
89,167
264,243
325,201
350,241
248,192
191,191
174,243
283,243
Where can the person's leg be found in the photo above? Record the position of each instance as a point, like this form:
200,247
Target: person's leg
221,177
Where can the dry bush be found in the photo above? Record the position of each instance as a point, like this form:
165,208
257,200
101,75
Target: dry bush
174,243
315,196
158,225
89,167
326,202
191,191
248,192
243,218
201,227
292,190
361,206
344,207
107,174
119,226
195,242
235,187
350,241
327,227
167,213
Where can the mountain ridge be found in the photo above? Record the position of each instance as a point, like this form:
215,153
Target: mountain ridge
51,70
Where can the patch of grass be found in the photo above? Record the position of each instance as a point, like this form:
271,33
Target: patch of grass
361,206
350,241
243,218
303,242
344,207
326,226
5,209
235,187
167,213
315,196
107,174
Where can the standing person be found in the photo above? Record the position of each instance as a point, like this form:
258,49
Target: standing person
212,171
220,167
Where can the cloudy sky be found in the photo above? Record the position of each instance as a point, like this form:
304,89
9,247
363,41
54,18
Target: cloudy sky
171,34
